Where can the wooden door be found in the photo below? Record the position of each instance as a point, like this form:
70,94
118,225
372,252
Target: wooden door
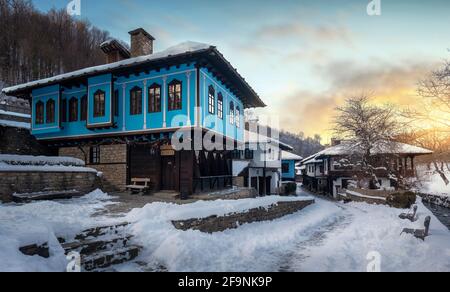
168,173
261,186
144,163
268,185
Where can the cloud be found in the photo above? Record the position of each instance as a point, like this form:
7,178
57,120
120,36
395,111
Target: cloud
312,112
300,31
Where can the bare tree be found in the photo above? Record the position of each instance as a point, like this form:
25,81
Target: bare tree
434,107
433,113
369,128
35,45
434,139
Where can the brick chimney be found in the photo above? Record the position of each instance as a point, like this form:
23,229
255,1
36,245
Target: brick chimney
114,51
141,43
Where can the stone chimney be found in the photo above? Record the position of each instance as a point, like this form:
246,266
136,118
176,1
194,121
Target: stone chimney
141,43
114,51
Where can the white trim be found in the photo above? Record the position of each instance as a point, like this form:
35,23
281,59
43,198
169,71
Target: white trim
47,128
124,105
164,101
73,92
111,93
144,108
151,131
46,94
205,93
156,77
216,98
226,118
188,77
99,84
118,133
197,107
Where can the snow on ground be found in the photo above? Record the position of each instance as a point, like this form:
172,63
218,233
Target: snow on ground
41,222
251,247
327,236
40,160
432,183
42,164
377,228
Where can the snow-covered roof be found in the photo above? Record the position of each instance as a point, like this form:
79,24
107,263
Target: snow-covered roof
186,47
14,124
40,160
251,137
290,156
179,50
349,147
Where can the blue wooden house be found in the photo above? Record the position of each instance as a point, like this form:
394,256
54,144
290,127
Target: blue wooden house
288,162
120,117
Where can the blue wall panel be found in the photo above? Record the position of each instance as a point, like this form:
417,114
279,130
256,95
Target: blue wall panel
44,95
125,122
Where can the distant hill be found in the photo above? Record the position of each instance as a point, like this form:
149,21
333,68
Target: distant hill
36,45
303,146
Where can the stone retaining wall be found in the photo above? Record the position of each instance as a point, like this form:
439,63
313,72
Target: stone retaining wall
443,201
32,182
21,142
113,164
232,221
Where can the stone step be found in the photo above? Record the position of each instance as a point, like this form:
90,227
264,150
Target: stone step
46,196
108,258
88,247
101,231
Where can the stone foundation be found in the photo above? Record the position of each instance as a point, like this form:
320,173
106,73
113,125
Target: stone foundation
232,221
32,182
21,142
113,164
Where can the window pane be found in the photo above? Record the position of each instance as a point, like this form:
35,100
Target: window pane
39,113
50,111
175,98
136,102
99,104
83,108
73,110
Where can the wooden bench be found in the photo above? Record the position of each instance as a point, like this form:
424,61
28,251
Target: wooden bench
139,185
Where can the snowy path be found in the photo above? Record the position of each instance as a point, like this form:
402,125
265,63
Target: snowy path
327,236
292,261
343,245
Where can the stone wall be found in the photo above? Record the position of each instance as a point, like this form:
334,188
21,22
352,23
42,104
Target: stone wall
232,221
32,182
113,164
440,200
21,142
